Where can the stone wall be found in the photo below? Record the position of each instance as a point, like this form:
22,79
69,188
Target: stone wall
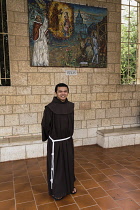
100,100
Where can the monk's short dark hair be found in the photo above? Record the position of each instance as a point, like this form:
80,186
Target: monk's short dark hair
61,85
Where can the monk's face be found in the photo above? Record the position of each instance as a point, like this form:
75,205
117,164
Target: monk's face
62,93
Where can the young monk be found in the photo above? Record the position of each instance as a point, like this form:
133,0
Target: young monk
57,128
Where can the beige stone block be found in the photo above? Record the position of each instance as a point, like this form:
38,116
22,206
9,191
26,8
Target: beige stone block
126,103
110,6
21,17
76,105
128,140
102,141
78,142
112,27
117,121
113,36
90,141
12,119
79,114
84,124
137,139
89,114
79,79
106,122
15,5
79,89
113,57
50,90
15,100
36,128
14,66
77,124
114,96
85,70
135,111
114,17
10,16
110,88
93,123
38,90
7,90
33,151
127,95
97,79
11,40
111,68
23,108
133,103
112,112
20,130
37,107
92,132
117,68
125,112
22,41
69,97
86,89
72,89
114,79
5,131
2,100
61,77
5,109
99,71
78,97
91,97
102,96
44,148
1,120
96,88
118,7
96,104
23,90
18,29
80,133
24,66
19,79
18,53
32,99
115,141
52,79
28,118
117,103
39,117
38,79
111,47
106,104
126,88
100,113
130,120
136,95
46,98
85,105
12,153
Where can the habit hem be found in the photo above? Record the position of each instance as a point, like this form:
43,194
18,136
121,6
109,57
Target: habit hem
58,123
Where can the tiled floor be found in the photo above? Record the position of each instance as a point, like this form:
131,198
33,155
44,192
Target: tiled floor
106,179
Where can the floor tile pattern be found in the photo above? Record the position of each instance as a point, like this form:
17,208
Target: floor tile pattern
105,179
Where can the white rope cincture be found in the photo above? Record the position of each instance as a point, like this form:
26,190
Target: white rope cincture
52,157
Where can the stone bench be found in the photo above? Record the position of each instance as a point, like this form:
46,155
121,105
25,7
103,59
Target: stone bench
118,137
22,147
